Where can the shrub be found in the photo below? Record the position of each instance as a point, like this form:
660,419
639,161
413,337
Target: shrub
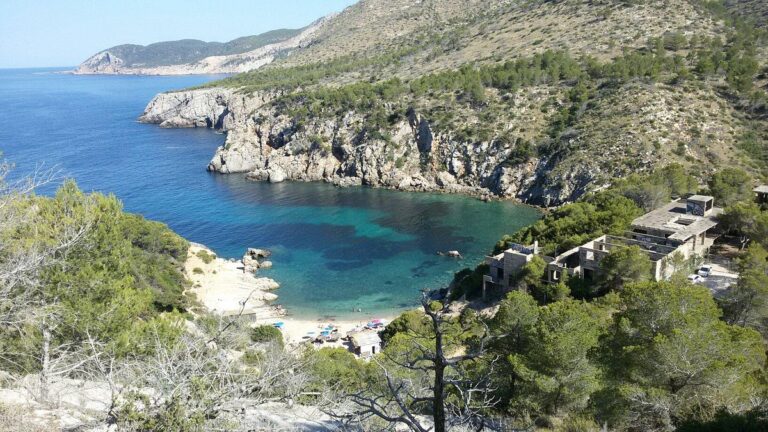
205,256
267,334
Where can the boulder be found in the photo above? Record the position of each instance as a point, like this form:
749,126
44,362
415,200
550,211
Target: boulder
276,175
250,263
258,253
258,175
265,264
445,178
404,184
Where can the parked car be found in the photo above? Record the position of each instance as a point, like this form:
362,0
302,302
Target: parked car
705,270
694,278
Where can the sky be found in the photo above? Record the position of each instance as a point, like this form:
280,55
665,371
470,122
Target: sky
49,33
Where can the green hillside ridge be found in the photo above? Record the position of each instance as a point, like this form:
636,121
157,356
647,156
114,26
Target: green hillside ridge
192,50
614,86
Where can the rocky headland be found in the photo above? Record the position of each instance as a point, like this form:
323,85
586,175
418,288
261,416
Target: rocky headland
108,62
270,146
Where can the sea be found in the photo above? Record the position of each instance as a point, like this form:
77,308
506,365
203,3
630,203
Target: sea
337,252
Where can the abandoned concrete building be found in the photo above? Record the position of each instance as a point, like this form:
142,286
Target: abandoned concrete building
683,229
761,194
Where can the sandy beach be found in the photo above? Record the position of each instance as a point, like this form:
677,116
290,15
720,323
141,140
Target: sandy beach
223,287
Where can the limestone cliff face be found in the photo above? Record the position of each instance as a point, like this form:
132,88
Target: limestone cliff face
272,147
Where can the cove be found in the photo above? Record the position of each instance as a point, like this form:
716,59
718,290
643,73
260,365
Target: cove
334,250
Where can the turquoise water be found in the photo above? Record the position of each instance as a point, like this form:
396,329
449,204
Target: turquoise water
334,250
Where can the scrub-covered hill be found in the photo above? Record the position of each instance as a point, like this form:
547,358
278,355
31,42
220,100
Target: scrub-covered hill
537,100
190,56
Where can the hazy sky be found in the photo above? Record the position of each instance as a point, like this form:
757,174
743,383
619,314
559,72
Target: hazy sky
65,32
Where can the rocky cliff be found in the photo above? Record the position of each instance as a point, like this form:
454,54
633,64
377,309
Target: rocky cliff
269,146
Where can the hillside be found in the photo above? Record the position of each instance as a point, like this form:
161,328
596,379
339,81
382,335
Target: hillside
190,50
189,56
538,100
756,10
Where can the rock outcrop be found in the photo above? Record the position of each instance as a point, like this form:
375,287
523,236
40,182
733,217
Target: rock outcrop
268,146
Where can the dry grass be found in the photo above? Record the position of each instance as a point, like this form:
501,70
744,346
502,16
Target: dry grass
14,418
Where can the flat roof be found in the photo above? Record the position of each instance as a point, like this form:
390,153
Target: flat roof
366,338
761,189
674,219
700,198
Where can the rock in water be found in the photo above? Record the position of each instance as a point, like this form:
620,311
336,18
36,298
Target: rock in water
250,263
276,175
258,253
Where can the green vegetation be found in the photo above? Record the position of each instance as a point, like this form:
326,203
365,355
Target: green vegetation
338,369
654,356
267,334
747,303
639,355
624,266
667,356
730,185
205,256
574,224
112,282
275,78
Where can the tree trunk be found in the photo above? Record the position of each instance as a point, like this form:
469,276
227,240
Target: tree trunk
439,390
45,376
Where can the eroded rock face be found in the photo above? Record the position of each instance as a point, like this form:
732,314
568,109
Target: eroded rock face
215,108
104,62
271,147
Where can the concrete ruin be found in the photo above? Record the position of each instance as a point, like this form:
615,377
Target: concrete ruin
670,235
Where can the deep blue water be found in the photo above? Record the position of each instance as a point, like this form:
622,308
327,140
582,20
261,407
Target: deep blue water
334,250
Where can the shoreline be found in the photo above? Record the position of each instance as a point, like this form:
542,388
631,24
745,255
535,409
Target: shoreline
222,286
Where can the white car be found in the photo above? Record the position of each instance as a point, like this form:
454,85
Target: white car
705,270
694,278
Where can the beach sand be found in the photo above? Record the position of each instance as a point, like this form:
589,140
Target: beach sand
221,286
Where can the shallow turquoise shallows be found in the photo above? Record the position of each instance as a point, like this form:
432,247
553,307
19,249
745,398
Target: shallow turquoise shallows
334,250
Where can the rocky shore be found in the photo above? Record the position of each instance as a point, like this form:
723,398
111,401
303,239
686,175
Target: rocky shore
225,287
228,287
269,146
